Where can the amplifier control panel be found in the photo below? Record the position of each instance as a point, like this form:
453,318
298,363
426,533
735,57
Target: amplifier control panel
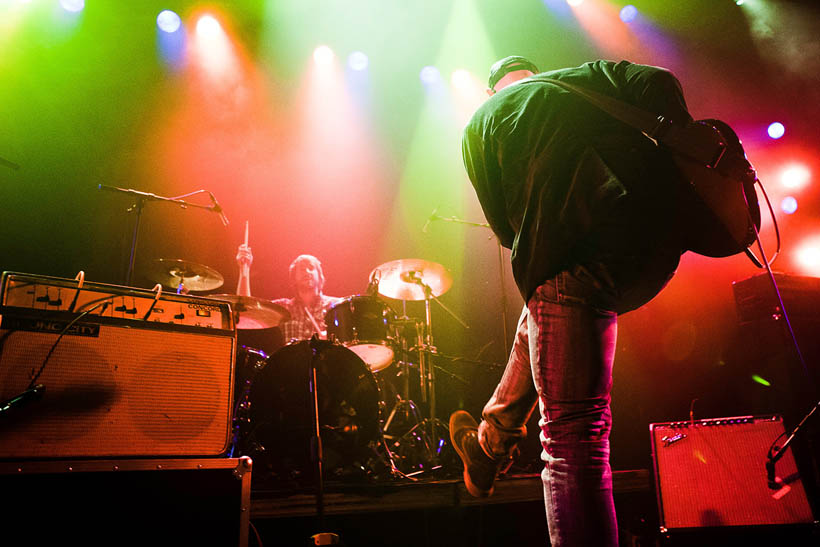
53,294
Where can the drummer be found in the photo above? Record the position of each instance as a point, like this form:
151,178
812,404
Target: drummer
308,305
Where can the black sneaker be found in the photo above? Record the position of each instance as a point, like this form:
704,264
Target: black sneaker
479,469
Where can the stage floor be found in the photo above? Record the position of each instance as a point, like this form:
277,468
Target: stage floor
406,495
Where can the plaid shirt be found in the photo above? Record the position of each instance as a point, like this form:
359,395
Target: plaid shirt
300,327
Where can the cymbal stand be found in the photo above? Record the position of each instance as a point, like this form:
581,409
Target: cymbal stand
404,410
427,368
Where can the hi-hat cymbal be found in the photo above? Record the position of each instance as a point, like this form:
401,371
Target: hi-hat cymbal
171,272
254,313
409,279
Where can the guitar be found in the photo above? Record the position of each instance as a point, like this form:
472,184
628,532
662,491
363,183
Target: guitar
710,157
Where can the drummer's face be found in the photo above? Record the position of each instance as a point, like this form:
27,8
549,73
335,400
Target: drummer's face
306,275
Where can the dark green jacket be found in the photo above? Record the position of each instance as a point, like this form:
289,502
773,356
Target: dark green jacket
568,187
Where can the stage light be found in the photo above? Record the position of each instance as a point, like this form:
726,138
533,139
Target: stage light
168,21
358,61
795,176
788,205
740,2
323,56
429,75
776,130
628,13
460,79
208,27
73,6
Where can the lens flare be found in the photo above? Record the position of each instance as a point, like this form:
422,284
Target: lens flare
760,380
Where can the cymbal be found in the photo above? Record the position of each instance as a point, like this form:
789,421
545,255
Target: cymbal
405,279
254,313
170,272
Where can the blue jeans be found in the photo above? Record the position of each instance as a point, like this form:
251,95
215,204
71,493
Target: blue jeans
562,359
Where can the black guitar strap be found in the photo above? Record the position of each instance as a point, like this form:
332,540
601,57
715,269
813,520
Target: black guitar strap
656,127
710,152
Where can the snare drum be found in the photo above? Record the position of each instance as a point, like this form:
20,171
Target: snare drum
364,324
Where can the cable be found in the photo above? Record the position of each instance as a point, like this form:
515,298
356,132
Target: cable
80,278
158,289
750,253
60,337
256,534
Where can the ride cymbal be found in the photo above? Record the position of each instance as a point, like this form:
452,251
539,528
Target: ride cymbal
412,279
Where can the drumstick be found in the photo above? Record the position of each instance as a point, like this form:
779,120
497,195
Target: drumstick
246,233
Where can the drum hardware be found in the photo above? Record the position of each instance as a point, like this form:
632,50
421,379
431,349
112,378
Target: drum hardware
140,198
417,280
252,361
253,312
184,276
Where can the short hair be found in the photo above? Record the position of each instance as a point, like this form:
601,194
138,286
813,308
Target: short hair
307,258
509,64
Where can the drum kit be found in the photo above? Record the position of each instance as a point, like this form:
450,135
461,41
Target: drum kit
366,371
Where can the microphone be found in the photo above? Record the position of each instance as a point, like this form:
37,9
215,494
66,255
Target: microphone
433,216
373,286
218,210
770,474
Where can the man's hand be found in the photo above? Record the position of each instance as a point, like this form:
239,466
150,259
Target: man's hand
244,256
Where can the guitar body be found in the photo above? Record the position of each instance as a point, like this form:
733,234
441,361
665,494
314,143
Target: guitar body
728,213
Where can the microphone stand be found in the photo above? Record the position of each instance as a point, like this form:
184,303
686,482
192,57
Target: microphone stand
9,164
316,451
500,267
139,204
775,453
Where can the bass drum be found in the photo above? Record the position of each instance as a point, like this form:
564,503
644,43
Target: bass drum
279,434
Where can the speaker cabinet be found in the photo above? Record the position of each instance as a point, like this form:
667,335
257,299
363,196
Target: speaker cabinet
712,474
125,373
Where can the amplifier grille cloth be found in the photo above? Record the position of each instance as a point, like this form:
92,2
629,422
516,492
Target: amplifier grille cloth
716,476
129,392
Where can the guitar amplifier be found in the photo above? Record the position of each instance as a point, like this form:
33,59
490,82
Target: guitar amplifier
93,370
711,474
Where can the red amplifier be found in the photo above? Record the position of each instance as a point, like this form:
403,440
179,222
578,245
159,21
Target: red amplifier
712,474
